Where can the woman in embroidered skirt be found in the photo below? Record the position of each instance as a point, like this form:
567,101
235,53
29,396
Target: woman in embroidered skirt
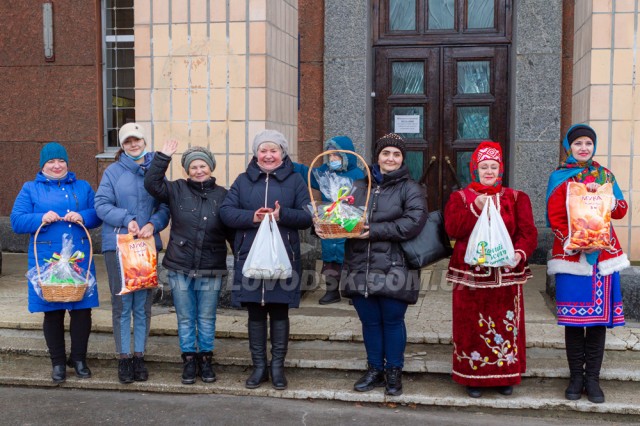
488,307
588,294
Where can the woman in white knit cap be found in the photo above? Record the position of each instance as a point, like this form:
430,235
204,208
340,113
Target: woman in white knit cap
269,186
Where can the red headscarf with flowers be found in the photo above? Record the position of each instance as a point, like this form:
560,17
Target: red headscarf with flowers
486,150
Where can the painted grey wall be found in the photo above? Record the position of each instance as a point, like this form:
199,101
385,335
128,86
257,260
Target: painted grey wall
347,103
535,106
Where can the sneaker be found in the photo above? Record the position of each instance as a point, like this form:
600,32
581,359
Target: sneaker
125,370
140,372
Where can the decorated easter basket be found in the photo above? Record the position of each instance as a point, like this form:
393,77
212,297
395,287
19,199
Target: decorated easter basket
328,228
62,292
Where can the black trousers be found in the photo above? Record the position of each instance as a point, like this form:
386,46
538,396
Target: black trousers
276,311
80,328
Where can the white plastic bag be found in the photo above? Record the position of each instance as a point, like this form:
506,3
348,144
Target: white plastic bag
267,258
490,243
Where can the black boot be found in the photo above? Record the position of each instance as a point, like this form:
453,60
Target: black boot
574,344
258,347
125,370
205,369
189,368
81,368
594,352
474,392
373,378
59,373
140,372
331,296
393,377
279,344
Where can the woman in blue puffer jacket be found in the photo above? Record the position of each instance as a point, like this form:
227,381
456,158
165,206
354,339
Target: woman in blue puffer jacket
344,165
58,199
126,207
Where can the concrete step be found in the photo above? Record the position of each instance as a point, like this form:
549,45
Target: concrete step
541,394
325,355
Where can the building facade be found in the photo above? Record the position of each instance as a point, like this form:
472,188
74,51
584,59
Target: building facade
446,74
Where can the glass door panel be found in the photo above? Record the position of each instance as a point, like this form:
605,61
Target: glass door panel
415,163
473,122
407,78
474,77
402,15
442,14
463,158
480,14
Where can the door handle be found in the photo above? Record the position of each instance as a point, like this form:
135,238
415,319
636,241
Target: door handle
431,161
453,170
423,178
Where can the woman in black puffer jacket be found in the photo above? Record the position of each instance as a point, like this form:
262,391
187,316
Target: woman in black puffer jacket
196,254
269,186
375,274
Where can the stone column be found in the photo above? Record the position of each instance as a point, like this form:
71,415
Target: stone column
347,99
536,105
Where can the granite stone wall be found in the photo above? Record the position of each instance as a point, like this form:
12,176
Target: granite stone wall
347,102
536,104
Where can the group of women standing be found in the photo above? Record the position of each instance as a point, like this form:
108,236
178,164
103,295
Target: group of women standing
488,310
489,346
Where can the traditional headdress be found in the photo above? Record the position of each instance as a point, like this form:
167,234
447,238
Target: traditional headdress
486,150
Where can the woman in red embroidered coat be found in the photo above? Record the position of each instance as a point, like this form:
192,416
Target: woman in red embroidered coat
488,307
588,293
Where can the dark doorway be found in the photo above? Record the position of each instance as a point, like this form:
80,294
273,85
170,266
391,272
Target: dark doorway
441,81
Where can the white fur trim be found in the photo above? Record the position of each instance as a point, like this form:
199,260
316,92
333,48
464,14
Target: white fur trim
616,264
559,266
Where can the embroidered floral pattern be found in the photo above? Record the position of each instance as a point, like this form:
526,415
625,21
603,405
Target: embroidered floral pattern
501,348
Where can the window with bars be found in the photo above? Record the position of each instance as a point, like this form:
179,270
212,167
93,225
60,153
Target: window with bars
119,71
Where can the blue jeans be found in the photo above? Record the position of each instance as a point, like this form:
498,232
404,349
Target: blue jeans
137,303
383,330
195,300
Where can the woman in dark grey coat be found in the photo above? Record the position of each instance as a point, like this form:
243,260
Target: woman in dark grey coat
375,274
269,186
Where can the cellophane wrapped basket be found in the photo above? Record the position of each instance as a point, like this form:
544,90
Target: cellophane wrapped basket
61,279
338,218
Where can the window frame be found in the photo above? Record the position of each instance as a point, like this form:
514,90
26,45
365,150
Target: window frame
107,105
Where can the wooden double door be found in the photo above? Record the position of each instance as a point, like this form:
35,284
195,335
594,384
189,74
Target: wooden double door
444,100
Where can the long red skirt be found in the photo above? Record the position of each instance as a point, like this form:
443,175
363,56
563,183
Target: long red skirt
489,343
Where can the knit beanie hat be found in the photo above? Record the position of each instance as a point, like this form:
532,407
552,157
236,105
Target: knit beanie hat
130,129
579,131
272,136
198,153
391,139
51,151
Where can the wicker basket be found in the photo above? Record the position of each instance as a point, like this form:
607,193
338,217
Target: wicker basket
57,292
328,229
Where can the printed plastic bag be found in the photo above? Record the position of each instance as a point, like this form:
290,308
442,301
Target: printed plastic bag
267,258
138,263
589,215
490,243
60,279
